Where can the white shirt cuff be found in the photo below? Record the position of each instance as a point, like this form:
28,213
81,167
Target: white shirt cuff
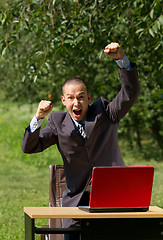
124,63
35,124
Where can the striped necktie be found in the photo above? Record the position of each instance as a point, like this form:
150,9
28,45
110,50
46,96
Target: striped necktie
81,131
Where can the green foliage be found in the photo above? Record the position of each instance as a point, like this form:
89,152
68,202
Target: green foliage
45,42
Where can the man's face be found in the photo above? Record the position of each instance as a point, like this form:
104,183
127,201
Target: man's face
76,99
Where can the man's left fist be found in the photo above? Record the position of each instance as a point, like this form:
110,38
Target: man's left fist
113,50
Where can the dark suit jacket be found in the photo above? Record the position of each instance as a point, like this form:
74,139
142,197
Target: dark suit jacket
101,145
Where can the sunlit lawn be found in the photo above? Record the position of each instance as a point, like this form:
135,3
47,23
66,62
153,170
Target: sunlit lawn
24,179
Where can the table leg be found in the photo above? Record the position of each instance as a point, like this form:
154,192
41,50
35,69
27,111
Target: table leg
29,228
120,229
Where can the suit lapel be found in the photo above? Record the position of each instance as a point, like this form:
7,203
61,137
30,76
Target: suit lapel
90,121
67,124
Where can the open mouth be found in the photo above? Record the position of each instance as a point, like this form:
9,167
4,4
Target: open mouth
77,112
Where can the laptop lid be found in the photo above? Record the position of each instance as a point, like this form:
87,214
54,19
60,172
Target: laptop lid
121,187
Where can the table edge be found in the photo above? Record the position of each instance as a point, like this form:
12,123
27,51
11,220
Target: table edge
80,214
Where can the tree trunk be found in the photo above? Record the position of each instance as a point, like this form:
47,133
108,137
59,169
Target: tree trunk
156,128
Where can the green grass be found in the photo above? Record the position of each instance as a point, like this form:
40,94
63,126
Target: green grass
24,179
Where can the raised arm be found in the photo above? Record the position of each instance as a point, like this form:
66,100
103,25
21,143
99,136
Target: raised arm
130,87
34,140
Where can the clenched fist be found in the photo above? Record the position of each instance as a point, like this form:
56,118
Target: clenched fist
44,108
113,50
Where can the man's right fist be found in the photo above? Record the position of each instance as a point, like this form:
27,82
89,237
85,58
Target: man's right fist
44,108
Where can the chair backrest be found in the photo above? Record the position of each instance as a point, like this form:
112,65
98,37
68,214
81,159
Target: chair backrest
57,185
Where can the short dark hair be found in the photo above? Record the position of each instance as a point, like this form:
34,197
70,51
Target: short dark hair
75,80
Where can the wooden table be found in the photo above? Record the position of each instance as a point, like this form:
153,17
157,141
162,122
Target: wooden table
100,226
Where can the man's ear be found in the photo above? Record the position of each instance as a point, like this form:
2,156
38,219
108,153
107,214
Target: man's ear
63,100
89,97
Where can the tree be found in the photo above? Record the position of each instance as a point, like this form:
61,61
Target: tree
45,42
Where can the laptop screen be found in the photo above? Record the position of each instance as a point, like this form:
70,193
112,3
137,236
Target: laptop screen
121,187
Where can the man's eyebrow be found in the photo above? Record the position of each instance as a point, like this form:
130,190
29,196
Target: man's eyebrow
70,94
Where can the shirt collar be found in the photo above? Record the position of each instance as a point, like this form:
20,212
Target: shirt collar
77,123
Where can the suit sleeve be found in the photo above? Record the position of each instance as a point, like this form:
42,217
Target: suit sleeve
126,97
39,140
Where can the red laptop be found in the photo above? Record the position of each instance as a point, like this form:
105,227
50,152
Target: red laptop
120,189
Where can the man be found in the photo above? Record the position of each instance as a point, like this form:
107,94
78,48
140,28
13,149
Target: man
93,144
